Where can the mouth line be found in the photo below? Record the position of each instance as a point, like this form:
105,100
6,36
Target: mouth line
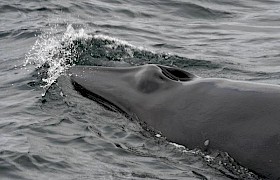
108,105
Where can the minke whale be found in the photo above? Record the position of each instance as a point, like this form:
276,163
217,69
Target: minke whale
240,118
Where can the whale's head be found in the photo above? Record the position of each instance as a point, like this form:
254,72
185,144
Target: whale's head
236,117
127,87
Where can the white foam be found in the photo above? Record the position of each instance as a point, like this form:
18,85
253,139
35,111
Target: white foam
178,145
50,49
158,135
57,50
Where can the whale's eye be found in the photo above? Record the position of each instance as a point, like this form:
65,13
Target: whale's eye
176,74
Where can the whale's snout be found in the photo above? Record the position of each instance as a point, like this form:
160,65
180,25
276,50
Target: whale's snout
124,86
146,79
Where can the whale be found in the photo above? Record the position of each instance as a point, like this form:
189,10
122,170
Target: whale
241,118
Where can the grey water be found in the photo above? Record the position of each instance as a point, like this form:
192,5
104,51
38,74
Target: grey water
49,131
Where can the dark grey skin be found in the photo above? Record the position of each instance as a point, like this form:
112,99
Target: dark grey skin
240,118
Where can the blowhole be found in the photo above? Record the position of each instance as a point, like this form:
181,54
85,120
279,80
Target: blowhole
176,74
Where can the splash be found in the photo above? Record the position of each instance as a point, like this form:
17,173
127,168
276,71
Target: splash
55,52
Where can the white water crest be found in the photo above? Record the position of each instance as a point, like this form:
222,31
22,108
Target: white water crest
55,51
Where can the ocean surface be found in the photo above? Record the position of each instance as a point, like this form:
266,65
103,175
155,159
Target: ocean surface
49,131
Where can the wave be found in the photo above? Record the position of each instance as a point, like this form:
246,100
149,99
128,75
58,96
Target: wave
192,10
54,53
14,8
21,33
